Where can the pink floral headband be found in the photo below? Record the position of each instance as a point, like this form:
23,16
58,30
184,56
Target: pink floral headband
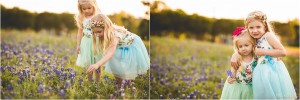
238,31
97,24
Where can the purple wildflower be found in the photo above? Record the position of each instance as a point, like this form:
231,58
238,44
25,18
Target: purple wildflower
9,87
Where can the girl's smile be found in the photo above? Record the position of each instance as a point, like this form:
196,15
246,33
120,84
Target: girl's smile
256,29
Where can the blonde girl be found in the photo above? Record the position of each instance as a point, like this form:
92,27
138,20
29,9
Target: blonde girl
271,79
239,85
125,55
87,9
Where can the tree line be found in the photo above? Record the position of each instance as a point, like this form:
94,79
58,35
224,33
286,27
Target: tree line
16,18
165,21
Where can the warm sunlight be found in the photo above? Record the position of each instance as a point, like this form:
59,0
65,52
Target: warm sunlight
135,7
279,10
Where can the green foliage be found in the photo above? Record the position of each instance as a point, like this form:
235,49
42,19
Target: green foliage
126,20
64,22
165,20
178,21
16,18
144,29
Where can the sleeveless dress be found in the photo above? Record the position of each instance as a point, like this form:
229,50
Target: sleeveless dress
242,87
130,57
86,57
271,79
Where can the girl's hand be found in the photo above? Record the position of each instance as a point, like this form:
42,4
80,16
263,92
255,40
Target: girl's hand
259,52
92,68
234,61
78,49
230,80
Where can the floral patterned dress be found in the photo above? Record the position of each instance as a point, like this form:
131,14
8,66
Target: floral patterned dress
271,79
244,73
242,87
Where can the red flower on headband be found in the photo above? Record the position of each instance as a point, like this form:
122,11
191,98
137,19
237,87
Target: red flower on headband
238,31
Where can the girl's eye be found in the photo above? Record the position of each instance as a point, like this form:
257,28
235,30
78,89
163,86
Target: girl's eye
258,26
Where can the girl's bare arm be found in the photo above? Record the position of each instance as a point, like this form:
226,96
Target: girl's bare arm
278,49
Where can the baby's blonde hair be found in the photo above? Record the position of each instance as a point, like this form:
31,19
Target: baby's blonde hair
80,16
108,36
244,35
259,16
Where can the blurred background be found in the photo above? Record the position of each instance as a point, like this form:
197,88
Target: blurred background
57,17
38,50
191,43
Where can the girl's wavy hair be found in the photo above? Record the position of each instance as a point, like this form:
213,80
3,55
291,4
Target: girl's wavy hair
102,21
79,17
259,16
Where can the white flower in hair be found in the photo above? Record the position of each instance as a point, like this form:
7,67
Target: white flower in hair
97,24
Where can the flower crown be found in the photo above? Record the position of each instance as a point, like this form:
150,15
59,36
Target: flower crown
84,1
259,15
263,18
97,24
238,31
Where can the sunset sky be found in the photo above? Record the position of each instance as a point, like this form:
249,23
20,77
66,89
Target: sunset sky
133,7
276,10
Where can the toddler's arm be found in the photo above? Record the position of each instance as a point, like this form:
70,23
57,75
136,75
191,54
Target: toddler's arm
79,36
278,50
233,72
234,61
108,55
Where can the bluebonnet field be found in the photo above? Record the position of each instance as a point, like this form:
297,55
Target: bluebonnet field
43,66
189,69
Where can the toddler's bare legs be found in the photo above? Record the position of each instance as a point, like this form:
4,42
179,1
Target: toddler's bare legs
118,80
98,74
90,76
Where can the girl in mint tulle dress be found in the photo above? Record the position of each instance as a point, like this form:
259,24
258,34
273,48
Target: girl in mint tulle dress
87,8
125,55
239,83
271,79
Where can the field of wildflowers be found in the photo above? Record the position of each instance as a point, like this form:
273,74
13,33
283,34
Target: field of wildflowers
189,69
43,66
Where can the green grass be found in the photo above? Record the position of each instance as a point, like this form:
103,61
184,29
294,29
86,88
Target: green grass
195,69
23,48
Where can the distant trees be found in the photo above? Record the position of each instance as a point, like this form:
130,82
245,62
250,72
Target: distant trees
164,21
179,22
16,18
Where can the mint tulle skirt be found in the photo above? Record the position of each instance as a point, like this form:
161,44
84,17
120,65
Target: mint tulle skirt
272,81
129,62
237,91
85,57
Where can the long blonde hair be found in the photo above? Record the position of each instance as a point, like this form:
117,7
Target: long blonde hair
259,16
79,17
102,21
244,35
